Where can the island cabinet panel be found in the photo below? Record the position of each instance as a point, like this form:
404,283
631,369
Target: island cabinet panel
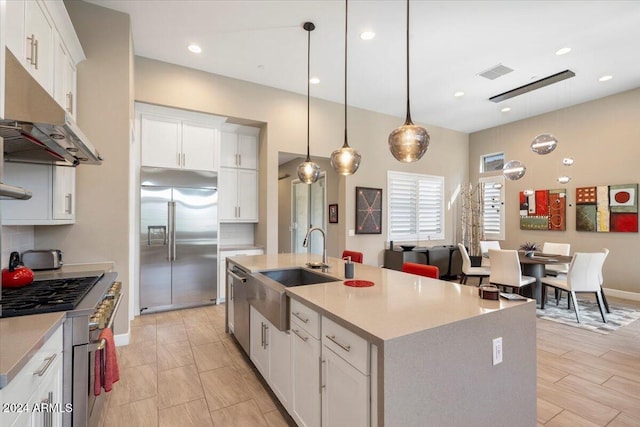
345,392
305,375
271,354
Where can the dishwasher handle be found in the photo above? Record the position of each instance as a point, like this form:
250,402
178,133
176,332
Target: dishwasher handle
235,276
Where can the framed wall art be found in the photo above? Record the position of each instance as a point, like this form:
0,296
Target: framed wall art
333,213
368,210
543,210
607,208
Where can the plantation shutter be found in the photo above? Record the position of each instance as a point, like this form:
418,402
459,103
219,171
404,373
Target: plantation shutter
493,207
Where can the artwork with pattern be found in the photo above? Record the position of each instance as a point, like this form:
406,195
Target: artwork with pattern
607,208
368,210
544,210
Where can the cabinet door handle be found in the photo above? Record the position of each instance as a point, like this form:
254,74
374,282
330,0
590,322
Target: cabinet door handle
297,314
183,160
70,102
68,204
239,159
297,332
35,44
323,363
31,57
345,347
239,214
262,335
48,361
266,336
178,159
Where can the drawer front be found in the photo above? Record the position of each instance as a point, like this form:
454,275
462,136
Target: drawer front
346,344
26,382
307,318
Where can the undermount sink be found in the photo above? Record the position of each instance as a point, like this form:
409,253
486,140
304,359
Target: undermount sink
297,277
267,291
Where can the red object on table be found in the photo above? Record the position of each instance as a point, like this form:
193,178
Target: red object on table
358,283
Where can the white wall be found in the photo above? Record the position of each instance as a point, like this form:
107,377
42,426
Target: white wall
602,136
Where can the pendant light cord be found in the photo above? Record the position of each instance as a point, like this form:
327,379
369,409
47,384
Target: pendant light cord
308,82
346,20
408,120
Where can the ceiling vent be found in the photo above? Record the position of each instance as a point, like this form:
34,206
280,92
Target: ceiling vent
558,77
495,72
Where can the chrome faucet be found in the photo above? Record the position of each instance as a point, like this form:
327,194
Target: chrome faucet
305,243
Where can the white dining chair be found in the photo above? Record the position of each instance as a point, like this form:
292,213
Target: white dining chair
585,272
485,245
506,270
556,249
601,278
468,270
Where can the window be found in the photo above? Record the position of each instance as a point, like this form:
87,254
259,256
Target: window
493,207
491,162
415,206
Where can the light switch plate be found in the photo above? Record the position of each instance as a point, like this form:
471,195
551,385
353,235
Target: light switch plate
497,351
352,233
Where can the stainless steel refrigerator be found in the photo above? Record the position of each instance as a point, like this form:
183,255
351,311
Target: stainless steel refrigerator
178,238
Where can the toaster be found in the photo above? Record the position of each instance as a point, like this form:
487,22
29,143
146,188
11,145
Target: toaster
42,259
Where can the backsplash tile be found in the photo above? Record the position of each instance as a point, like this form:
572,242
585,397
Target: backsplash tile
236,234
16,238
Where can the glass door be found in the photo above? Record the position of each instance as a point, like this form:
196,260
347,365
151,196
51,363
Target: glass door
308,209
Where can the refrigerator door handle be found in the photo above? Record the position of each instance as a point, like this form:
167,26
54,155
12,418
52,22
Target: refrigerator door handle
172,229
169,234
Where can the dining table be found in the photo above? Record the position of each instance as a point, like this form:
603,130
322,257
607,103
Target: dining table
534,266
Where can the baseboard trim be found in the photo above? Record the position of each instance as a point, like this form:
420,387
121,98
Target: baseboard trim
122,339
633,296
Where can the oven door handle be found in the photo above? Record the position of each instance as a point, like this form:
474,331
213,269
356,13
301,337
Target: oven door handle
96,345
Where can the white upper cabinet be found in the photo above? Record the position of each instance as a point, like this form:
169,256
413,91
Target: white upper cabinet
239,147
178,139
40,34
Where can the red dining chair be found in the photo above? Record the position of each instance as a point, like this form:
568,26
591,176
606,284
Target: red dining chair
421,269
355,256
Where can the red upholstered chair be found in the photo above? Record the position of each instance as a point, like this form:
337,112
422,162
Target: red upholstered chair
355,256
421,269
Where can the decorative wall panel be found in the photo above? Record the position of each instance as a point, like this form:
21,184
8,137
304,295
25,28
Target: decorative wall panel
544,210
607,208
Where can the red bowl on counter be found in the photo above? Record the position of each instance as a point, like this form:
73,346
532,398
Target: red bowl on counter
358,283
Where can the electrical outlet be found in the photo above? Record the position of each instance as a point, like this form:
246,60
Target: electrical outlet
497,350
352,233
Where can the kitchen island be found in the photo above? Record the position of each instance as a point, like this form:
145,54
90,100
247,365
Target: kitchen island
430,356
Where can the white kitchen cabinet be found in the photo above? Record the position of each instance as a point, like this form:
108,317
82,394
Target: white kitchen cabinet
64,87
345,392
178,139
39,380
53,200
239,147
305,376
270,351
39,39
238,195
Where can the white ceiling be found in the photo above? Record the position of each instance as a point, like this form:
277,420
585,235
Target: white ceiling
262,41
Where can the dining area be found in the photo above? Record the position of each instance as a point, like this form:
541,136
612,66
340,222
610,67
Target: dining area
540,273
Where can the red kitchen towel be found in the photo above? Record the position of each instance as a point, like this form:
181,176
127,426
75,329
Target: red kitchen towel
105,377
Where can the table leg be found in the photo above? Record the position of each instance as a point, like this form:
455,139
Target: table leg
537,271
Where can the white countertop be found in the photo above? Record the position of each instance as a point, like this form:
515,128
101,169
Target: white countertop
398,304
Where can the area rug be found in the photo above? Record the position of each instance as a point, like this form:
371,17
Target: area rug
589,315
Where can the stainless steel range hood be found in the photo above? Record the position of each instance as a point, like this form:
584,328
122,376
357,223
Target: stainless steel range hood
36,128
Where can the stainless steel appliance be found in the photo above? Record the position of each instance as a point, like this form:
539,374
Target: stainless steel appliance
178,238
239,297
91,300
42,259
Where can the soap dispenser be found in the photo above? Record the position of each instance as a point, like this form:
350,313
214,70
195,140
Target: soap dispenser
349,268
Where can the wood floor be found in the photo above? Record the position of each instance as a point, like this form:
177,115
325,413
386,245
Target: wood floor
181,369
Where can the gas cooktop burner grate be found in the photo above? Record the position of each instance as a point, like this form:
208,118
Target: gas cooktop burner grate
46,296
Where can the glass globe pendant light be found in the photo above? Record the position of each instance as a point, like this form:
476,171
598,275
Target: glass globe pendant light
345,160
514,170
544,143
409,142
308,171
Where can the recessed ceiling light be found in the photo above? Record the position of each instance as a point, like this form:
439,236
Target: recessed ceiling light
506,109
605,78
458,94
563,51
367,35
194,48
314,80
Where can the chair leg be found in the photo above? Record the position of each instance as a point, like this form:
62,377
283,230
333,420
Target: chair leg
558,296
480,283
604,299
572,295
462,278
601,306
543,297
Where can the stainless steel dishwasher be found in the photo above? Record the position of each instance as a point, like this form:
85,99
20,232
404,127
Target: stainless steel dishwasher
239,290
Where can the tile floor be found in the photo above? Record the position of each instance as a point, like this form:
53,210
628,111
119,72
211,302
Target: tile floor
182,369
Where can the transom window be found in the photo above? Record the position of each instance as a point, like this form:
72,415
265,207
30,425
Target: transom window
415,206
491,162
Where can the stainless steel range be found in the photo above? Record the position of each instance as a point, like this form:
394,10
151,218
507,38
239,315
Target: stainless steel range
90,300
